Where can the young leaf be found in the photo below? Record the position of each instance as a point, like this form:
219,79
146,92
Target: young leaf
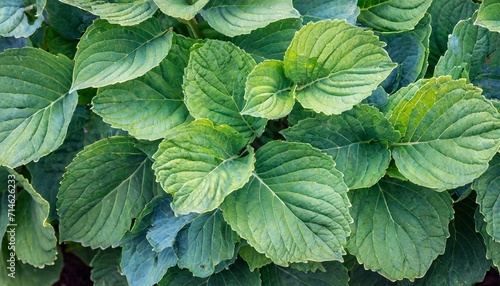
122,12
199,165
353,140
36,107
181,8
488,15
13,20
149,106
400,221
318,10
210,241
294,208
106,268
449,132
268,93
214,86
253,258
393,15
335,275
236,17
109,54
336,65
492,246
488,197
103,189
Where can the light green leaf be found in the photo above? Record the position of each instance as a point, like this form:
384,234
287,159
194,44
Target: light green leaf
394,15
109,54
268,93
464,261
14,22
400,221
214,86
35,238
122,12
328,9
335,275
103,189
36,108
210,241
106,268
236,17
149,106
336,65
492,247
141,264
271,41
449,132
354,139
365,4
489,15
254,259
488,197
181,8
294,208
199,165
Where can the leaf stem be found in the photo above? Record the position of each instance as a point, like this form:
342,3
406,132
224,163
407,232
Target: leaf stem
194,30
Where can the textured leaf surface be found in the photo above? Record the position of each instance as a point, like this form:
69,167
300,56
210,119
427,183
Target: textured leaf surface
236,17
181,8
36,108
394,15
210,241
353,140
106,268
443,123
253,258
335,275
103,189
149,106
214,86
336,65
294,208
109,54
402,221
14,22
199,165
268,93
488,15
328,9
492,247
488,196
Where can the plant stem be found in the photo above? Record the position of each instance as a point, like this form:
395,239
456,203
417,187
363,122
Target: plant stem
193,28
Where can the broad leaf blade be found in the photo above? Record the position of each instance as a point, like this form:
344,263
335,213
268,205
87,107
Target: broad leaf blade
14,22
106,268
254,259
492,247
36,107
199,165
488,15
336,65
328,9
294,208
335,274
103,189
443,123
109,54
237,17
181,8
214,86
402,221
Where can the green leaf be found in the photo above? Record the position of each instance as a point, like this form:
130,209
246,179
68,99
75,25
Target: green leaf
271,41
141,264
464,261
96,129
394,15
400,221
36,107
443,123
492,247
149,106
210,241
335,275
254,259
12,43
14,22
35,238
122,12
109,54
106,268
103,189
488,197
199,165
181,8
488,15
365,4
328,9
336,65
268,93
354,139
58,45
362,277
68,21
214,86
294,208
236,17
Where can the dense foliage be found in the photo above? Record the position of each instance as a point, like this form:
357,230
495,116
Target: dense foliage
250,142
